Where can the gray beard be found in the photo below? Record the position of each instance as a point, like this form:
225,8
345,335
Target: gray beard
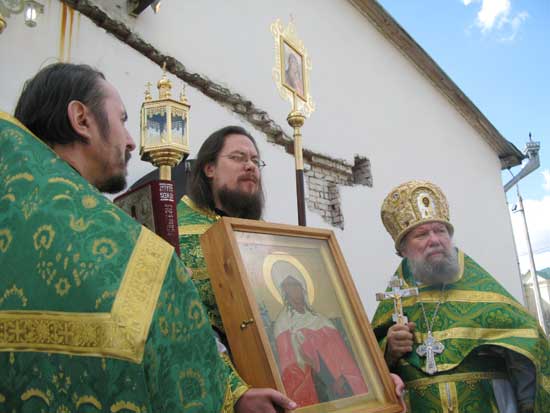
443,271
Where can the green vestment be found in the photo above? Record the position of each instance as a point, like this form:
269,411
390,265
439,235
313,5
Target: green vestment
477,318
97,313
192,223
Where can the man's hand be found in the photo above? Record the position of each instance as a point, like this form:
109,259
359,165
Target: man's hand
400,342
399,390
263,401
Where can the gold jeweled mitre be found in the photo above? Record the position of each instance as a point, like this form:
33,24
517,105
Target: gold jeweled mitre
412,204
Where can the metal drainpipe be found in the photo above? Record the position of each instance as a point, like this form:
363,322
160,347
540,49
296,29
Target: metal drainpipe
532,153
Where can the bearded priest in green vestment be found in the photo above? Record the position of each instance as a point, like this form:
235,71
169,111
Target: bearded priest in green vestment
225,181
97,313
468,345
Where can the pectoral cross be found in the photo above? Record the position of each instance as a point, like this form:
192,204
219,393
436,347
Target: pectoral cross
429,349
396,294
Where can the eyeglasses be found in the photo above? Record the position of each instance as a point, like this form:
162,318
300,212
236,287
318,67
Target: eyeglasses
242,158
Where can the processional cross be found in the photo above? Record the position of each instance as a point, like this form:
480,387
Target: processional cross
396,294
431,346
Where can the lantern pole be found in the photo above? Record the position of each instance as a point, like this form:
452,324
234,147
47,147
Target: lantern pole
164,128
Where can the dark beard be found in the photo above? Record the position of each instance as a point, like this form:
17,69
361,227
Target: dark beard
443,271
115,183
242,205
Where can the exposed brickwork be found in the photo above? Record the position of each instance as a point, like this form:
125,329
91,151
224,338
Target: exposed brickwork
323,195
323,179
361,171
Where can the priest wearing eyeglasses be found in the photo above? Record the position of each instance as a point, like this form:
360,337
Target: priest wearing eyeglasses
226,181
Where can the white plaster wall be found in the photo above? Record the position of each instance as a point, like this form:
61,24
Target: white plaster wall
370,101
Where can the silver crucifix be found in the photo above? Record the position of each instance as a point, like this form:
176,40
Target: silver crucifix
429,349
396,294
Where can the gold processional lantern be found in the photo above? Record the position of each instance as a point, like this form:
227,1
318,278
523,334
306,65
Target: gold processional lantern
3,23
164,128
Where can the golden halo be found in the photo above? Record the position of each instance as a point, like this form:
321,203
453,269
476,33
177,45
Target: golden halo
271,259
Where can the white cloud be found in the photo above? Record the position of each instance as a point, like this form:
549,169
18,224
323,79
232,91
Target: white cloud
493,11
496,15
546,175
538,221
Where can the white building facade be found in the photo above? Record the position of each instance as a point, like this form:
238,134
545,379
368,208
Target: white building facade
378,96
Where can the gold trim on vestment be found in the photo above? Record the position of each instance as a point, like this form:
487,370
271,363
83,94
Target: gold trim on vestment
138,293
478,334
440,366
449,378
15,121
189,202
464,296
228,402
193,229
460,264
119,334
240,390
448,397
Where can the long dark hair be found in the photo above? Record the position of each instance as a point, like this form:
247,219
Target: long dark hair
42,106
199,187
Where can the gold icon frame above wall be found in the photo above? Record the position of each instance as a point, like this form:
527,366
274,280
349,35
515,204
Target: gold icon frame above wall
292,67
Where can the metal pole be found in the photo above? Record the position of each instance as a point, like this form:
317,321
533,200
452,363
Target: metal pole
538,298
524,290
296,119
300,191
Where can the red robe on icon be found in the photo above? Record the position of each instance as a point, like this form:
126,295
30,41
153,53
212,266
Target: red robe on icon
312,354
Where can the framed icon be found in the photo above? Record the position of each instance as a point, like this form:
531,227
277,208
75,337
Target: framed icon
293,317
293,72
292,67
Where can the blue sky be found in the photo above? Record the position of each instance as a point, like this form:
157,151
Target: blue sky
498,53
